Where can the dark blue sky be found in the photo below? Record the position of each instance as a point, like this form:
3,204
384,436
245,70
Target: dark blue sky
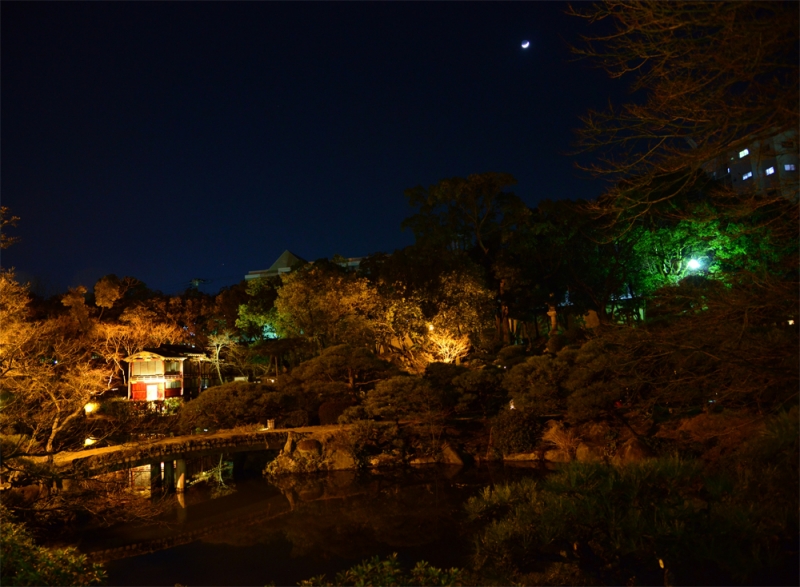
171,141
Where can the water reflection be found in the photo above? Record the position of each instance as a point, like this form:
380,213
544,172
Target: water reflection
300,526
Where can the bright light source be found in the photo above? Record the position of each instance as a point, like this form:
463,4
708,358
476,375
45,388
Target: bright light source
511,405
694,264
89,441
744,153
770,170
430,327
91,407
791,322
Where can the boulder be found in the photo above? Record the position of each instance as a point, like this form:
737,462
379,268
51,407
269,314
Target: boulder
289,446
382,460
588,453
522,456
631,451
556,456
597,431
309,445
339,460
450,456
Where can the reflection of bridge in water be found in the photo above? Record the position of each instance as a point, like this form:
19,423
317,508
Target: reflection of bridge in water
228,515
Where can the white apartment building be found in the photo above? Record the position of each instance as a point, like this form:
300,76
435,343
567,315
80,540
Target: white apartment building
766,165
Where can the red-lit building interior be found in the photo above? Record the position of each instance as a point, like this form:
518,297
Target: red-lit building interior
167,372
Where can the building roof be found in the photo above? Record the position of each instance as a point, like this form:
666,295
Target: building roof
287,260
282,264
168,351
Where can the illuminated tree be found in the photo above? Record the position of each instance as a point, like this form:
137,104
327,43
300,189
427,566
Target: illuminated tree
469,220
464,305
446,347
217,344
15,329
325,304
110,289
138,328
75,300
50,382
6,220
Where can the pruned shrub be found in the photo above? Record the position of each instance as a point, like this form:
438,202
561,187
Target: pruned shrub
295,419
509,356
514,431
235,404
481,391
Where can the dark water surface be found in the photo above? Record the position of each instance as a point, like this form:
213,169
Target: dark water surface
257,533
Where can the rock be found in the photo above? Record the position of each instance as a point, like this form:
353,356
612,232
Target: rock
289,446
588,454
339,459
450,456
419,461
597,431
556,456
282,464
522,456
382,460
632,451
309,445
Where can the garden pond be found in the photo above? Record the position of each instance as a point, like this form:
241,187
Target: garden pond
256,531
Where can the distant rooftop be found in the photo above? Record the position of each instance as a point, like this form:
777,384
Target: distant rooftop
288,260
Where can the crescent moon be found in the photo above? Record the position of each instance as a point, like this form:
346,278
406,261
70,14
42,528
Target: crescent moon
526,44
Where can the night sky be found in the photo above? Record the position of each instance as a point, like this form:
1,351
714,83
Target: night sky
199,140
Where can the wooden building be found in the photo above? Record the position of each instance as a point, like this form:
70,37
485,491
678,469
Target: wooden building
167,371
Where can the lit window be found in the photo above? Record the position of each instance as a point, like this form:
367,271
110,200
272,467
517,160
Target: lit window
790,167
744,153
770,170
747,175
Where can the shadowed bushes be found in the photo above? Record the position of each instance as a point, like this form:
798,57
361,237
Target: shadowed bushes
662,521
237,404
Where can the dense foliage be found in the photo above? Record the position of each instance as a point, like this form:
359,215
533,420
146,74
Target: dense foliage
656,522
26,563
390,573
237,404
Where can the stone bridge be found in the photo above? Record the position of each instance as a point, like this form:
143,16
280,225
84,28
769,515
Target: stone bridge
91,462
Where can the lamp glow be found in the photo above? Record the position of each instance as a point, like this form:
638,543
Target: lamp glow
91,407
89,441
694,264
